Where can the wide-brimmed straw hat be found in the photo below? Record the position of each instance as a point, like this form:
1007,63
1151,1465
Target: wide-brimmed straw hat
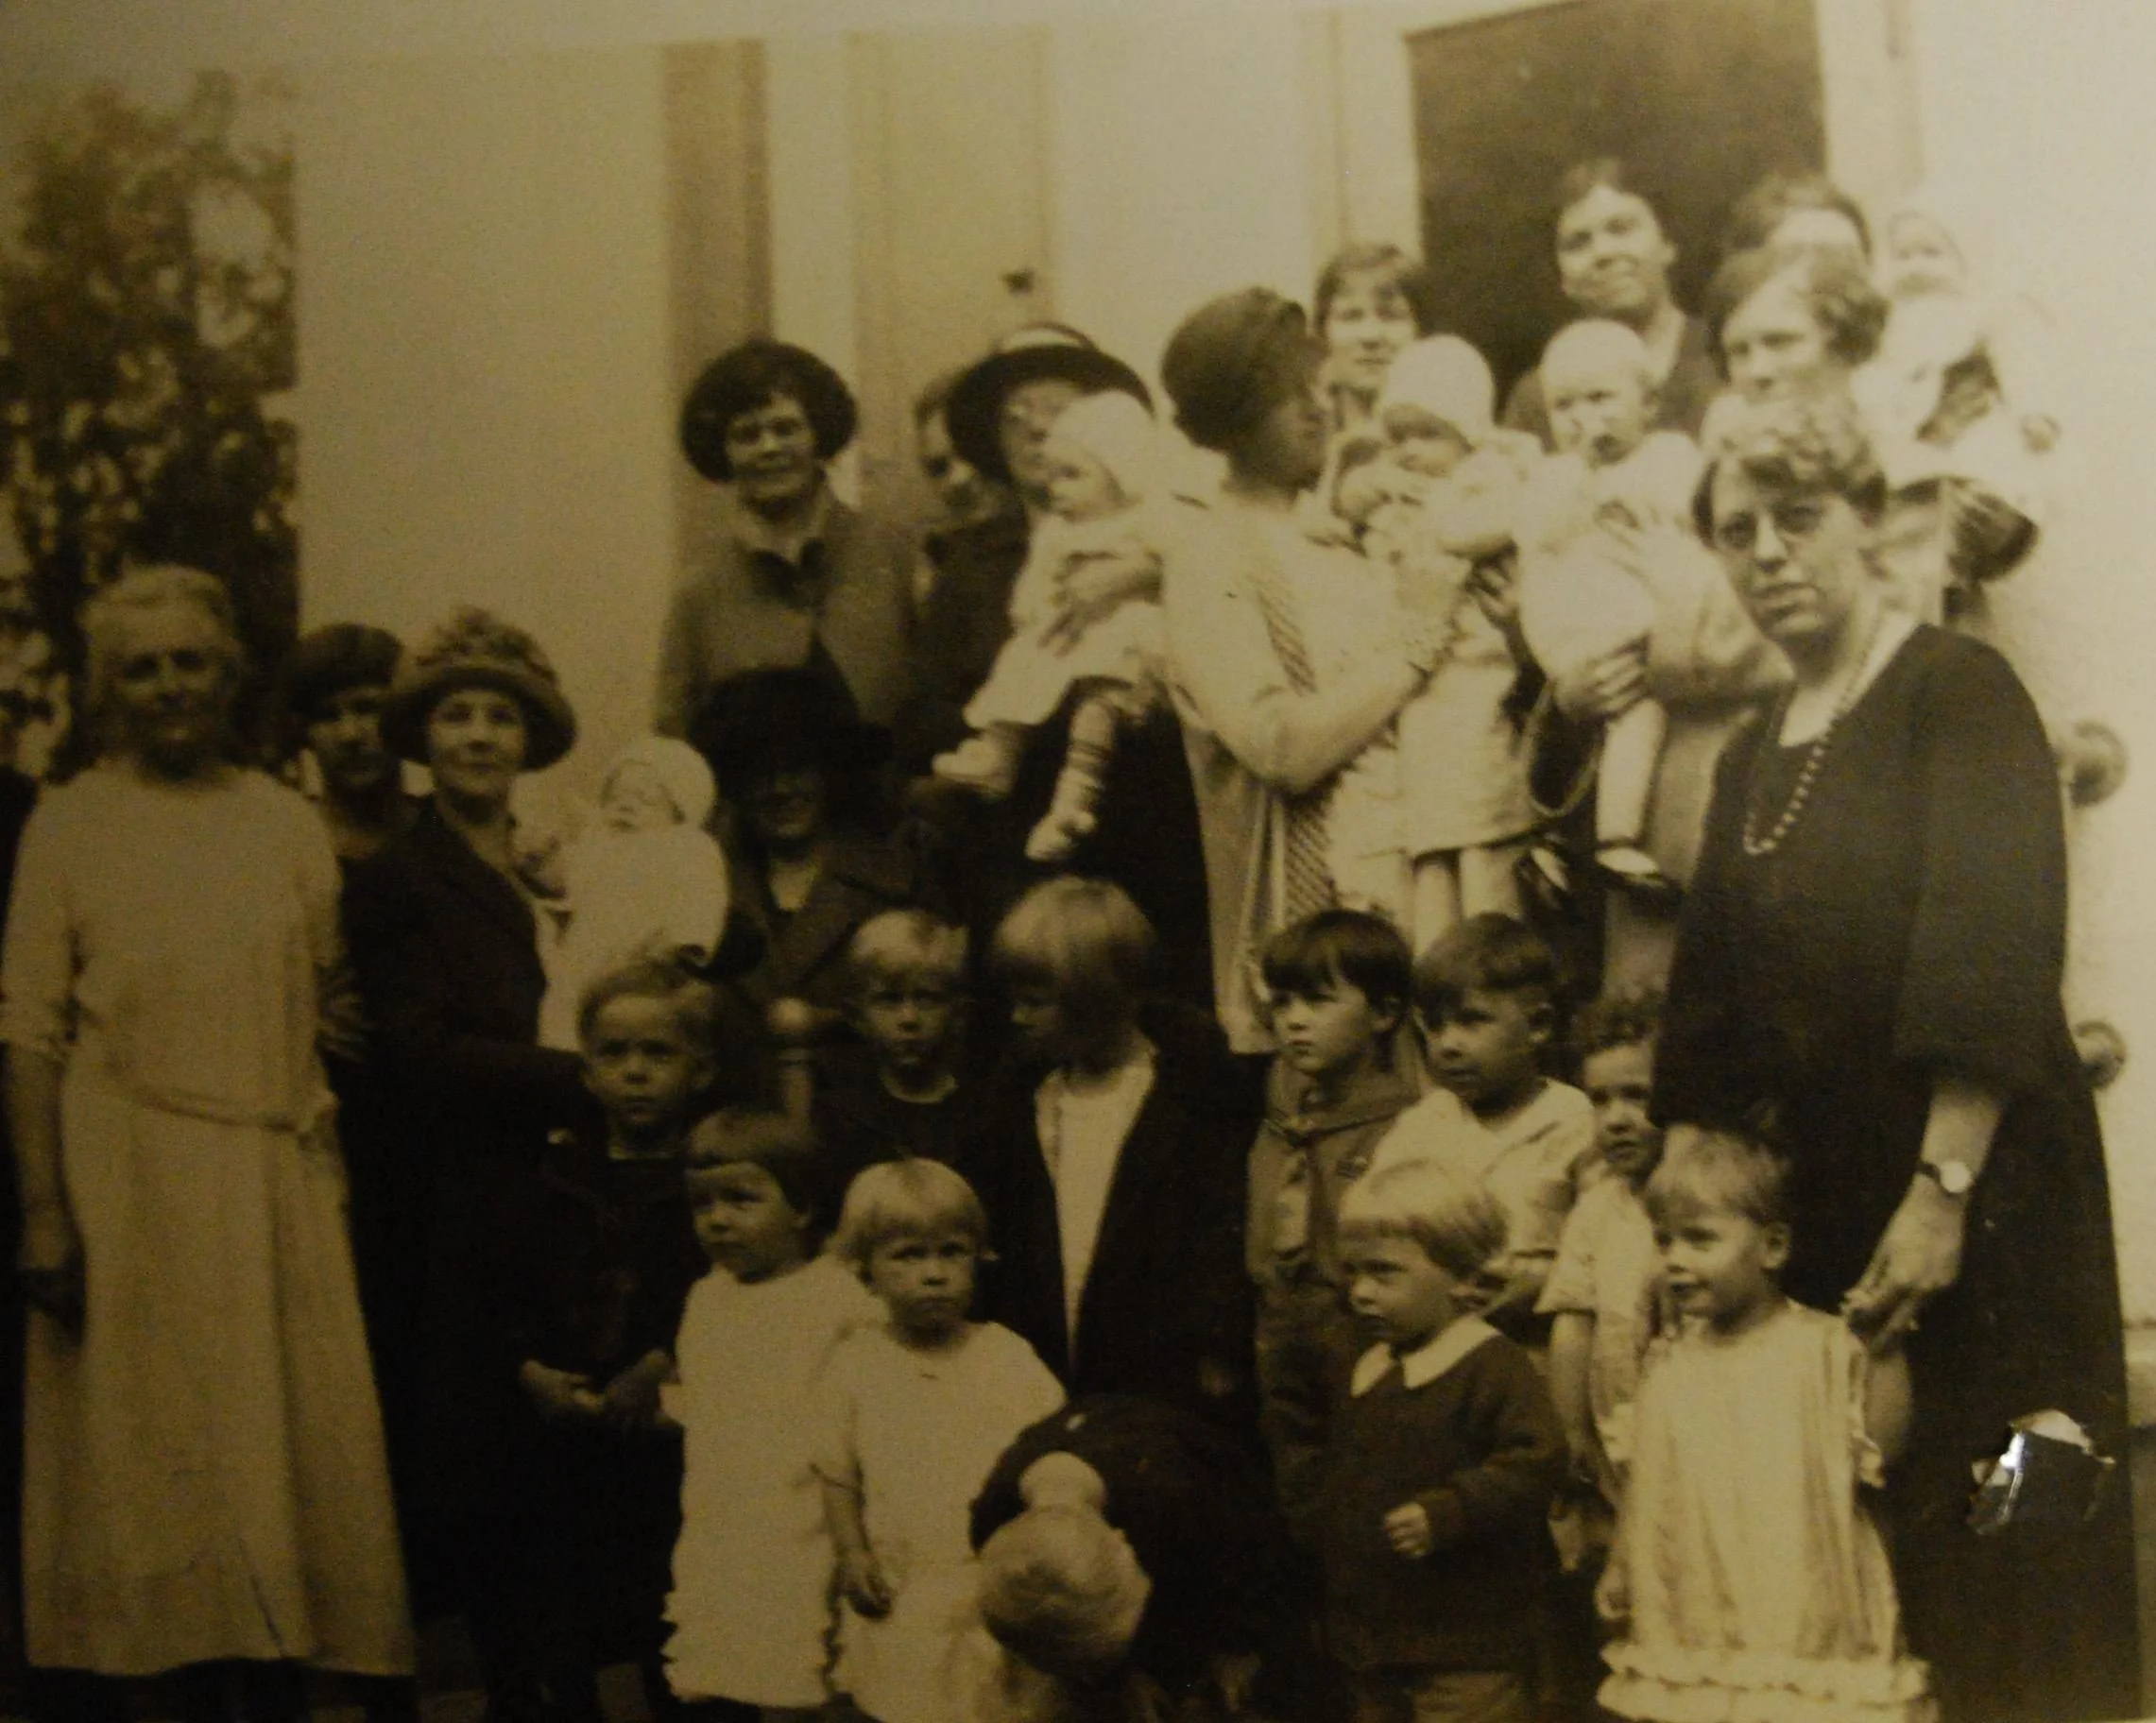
477,649
974,413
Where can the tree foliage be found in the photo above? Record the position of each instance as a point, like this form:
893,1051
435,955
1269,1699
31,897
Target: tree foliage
146,336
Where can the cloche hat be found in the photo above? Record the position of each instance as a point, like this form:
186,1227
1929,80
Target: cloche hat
975,411
474,648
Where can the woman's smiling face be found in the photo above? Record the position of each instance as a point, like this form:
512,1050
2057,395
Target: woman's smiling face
772,452
476,742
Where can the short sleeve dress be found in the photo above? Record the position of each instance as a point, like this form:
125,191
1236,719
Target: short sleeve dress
1913,922
1757,1583
203,1473
918,1433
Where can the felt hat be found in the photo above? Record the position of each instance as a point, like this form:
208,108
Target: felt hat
974,413
683,771
1235,358
1059,1588
1448,379
759,719
1116,432
476,649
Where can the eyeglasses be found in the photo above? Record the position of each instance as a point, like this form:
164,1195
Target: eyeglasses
1794,518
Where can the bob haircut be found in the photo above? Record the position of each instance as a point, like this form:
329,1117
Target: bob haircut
782,1147
694,1005
1486,953
142,590
905,945
1718,1170
327,662
1628,1018
1084,938
1799,446
753,375
1393,270
1850,312
1599,173
1753,217
1454,1222
1366,951
902,1200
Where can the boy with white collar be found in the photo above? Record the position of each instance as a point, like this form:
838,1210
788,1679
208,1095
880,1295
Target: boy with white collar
1444,1455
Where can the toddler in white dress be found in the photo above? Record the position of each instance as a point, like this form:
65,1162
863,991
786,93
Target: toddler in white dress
1104,456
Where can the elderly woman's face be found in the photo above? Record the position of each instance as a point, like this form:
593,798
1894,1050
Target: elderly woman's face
1613,259
1029,411
172,687
1773,346
476,741
772,451
1796,558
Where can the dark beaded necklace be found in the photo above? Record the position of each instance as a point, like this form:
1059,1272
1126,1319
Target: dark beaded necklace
1814,756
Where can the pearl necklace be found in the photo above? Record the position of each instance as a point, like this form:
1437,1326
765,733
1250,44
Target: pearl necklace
1814,756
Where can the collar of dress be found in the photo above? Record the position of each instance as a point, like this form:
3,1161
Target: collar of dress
753,533
1428,1361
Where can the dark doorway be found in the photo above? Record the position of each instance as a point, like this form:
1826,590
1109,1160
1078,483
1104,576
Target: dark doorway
1700,96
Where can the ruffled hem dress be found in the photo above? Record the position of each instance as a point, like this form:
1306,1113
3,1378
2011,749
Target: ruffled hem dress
1757,1580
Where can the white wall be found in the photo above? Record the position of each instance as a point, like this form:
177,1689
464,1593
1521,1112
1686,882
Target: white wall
485,404
2051,117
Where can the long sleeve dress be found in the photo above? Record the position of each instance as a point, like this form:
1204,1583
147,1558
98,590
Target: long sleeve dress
204,1474
1911,924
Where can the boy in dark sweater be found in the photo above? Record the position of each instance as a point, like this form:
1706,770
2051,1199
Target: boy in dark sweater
1443,1456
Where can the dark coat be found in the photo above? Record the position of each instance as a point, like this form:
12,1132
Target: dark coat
1167,1289
447,955
804,955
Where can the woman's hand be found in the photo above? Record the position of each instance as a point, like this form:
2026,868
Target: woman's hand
1604,688
1493,582
631,1401
48,1265
1918,1258
1091,587
557,1395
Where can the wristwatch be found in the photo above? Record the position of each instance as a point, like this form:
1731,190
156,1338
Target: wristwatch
1953,1177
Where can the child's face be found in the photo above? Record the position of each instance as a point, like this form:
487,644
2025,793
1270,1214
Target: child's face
1618,1082
636,799
1487,1048
1079,487
926,1281
1423,443
1720,1266
1368,321
1330,1028
1600,411
642,1067
911,1021
1920,258
1397,1290
744,1222
1055,1028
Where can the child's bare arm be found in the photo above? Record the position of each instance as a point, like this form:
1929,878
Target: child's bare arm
1888,1407
1571,1350
861,1577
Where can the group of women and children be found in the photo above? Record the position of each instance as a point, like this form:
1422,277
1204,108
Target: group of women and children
1423,1080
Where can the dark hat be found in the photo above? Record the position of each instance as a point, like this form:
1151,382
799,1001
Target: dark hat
757,719
475,649
1231,361
975,410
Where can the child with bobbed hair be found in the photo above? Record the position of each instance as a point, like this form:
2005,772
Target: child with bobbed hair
912,1415
1749,1576
755,1336
1109,1152
1440,1463
901,1088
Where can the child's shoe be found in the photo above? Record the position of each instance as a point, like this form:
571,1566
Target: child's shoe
986,763
1070,819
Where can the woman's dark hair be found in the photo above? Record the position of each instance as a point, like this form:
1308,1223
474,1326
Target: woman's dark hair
753,375
1597,173
1818,446
1753,217
1850,312
1366,951
1631,1018
1486,953
325,663
1396,272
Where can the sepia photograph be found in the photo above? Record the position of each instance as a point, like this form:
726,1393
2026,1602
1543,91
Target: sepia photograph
1214,862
